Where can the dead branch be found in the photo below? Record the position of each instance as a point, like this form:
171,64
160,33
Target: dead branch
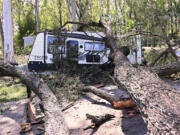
67,107
98,120
164,32
159,56
93,24
116,103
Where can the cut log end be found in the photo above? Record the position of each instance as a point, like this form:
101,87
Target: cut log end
123,104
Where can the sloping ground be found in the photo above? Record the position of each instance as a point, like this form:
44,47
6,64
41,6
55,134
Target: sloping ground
12,115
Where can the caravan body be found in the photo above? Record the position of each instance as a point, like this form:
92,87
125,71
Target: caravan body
82,47
85,48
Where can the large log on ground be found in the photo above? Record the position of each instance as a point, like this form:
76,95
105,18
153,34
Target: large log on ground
116,103
157,101
167,69
54,121
108,97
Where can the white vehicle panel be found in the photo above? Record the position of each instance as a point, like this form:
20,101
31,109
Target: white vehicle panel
37,53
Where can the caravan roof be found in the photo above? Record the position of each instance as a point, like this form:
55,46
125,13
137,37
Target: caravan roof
96,36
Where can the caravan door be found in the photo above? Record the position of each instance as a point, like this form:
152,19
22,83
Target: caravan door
55,46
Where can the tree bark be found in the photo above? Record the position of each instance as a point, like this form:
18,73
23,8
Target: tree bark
116,103
1,32
54,121
157,101
2,35
60,12
100,93
74,10
37,16
8,33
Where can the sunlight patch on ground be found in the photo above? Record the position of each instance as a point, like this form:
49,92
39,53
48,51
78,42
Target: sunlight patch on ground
13,92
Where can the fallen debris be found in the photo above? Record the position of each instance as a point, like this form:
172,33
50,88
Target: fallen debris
129,103
38,121
98,120
67,107
41,128
25,127
131,113
31,112
123,103
100,85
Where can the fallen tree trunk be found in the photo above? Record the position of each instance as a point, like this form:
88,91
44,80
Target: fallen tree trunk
54,121
158,102
100,93
167,69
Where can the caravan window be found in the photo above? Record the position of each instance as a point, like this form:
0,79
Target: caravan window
72,49
55,45
94,46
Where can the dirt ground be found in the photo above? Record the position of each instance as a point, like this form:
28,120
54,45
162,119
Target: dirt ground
12,115
76,117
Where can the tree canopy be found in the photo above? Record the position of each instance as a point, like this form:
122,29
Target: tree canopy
125,16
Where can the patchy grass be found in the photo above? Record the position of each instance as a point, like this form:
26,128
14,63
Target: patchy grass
12,89
13,92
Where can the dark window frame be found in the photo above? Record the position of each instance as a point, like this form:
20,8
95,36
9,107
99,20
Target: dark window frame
48,45
71,41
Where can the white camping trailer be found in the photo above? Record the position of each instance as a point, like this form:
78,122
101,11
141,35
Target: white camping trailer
83,47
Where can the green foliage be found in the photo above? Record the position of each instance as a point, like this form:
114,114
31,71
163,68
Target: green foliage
63,85
26,26
66,83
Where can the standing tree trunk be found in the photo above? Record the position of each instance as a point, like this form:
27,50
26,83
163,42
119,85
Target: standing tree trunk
158,102
2,35
60,12
37,15
74,10
8,33
1,32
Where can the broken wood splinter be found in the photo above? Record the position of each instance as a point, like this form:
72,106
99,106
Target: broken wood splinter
98,120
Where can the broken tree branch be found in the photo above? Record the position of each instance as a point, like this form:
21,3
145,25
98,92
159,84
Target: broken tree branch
94,24
164,32
108,97
159,56
167,69
116,103
54,121
98,120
